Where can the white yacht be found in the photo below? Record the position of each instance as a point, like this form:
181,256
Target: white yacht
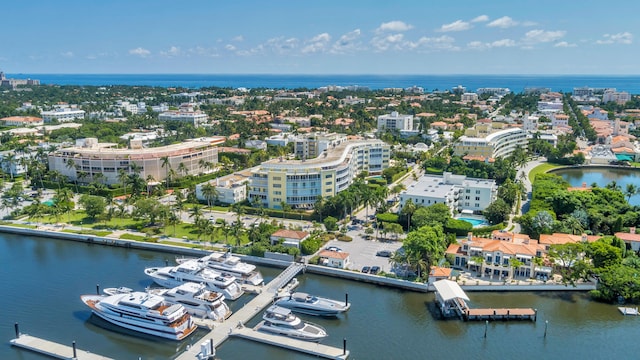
192,271
227,263
281,321
194,297
312,305
143,312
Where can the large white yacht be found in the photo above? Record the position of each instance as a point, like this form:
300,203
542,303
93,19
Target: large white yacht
192,271
227,263
312,305
281,321
143,312
194,297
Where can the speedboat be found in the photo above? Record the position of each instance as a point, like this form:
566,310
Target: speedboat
192,271
227,263
143,312
312,305
281,321
194,297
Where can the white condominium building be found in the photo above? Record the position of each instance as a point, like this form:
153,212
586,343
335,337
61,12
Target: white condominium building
499,144
193,117
458,192
298,183
89,157
62,114
312,145
395,121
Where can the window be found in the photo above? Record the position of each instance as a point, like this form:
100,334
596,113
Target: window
328,176
477,198
277,186
477,205
466,197
467,191
277,178
477,191
277,193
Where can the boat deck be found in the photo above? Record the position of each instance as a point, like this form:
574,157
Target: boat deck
53,349
629,311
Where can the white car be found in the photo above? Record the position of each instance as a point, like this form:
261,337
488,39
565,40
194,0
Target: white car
334,248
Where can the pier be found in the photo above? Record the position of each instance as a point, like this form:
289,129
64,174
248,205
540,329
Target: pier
501,314
53,349
234,325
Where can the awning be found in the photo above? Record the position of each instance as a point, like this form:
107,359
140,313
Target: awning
449,290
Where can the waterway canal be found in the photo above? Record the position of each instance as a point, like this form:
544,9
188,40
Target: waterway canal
602,176
42,280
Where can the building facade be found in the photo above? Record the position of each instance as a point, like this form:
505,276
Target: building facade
499,144
299,183
89,157
192,117
230,189
395,121
458,192
62,114
312,145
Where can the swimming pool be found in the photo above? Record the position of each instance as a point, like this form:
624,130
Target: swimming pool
475,222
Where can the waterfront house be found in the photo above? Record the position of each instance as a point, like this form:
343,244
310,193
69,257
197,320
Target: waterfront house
291,238
336,259
630,238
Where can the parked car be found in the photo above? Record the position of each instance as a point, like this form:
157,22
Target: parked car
374,270
384,253
334,248
365,269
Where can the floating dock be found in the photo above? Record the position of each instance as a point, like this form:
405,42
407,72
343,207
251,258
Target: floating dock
308,347
501,314
628,311
53,349
234,325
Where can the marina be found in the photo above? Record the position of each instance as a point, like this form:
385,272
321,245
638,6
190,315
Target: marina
53,349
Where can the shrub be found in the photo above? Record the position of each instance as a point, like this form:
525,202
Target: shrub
387,217
345,238
310,246
458,227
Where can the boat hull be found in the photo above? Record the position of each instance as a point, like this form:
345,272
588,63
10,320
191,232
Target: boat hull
317,335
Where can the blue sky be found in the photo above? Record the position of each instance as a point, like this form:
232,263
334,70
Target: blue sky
321,37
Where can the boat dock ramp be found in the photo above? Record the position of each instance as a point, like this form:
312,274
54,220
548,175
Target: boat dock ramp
234,325
451,300
53,349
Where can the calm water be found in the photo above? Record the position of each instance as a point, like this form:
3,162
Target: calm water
602,177
42,280
516,83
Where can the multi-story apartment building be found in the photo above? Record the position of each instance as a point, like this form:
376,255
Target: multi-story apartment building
230,189
89,157
458,192
193,117
62,114
312,145
615,96
499,144
395,121
299,183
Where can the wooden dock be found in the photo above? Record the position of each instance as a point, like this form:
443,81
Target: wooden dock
52,349
308,347
501,314
628,311
234,325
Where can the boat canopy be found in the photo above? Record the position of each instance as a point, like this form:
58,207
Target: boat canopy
449,290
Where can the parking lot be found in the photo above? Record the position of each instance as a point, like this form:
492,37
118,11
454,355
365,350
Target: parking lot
363,252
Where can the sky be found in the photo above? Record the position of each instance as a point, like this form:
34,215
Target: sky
321,37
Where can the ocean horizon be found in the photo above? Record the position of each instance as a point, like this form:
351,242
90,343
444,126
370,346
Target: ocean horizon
517,83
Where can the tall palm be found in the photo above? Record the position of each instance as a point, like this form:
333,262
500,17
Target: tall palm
182,169
196,212
408,209
210,193
122,177
166,165
630,190
8,162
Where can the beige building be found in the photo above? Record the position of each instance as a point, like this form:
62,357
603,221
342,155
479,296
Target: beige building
90,157
22,121
498,144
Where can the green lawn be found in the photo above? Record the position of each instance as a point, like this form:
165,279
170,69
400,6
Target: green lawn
541,169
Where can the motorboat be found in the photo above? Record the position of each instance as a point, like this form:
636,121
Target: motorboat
143,312
227,263
282,321
196,298
312,305
192,271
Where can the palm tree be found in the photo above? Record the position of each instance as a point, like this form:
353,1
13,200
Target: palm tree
196,212
150,180
8,161
515,265
122,176
408,209
630,190
182,168
285,207
167,166
210,193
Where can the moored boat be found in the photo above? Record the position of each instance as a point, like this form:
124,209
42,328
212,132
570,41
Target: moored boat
227,263
143,312
312,305
282,321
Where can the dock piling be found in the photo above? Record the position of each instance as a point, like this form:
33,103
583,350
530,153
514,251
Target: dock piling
17,328
546,323
344,346
346,299
97,289
486,325
73,345
211,347
535,314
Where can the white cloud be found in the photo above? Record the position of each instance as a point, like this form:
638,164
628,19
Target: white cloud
318,43
394,26
479,45
230,47
238,38
347,42
564,44
481,18
202,51
173,51
67,54
382,43
279,45
542,36
619,38
457,25
503,22
443,42
142,52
